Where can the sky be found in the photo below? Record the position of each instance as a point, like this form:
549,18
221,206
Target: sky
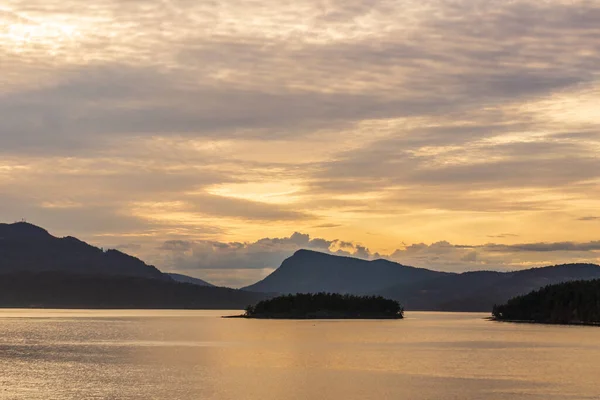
215,138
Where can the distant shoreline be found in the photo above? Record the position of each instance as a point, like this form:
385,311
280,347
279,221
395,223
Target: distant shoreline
312,317
100,308
517,321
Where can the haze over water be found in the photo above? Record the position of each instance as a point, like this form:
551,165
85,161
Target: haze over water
47,354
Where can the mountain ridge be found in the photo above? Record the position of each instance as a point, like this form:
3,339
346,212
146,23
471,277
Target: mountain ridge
309,271
481,290
40,270
30,252
26,247
75,291
188,279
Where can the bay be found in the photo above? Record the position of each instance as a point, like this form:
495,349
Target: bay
85,354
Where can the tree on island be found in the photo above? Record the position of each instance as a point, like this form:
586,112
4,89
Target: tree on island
326,305
576,302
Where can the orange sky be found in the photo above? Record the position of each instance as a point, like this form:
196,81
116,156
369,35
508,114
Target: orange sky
186,132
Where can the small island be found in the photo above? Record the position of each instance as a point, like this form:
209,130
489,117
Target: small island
325,306
573,303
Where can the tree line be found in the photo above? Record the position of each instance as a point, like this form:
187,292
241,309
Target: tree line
565,303
326,305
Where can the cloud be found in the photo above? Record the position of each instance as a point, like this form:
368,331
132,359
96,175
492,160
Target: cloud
503,236
176,246
223,259
261,254
325,226
438,122
244,209
449,257
546,247
589,218
197,83
385,163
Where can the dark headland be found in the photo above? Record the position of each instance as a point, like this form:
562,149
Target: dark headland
38,270
569,303
325,306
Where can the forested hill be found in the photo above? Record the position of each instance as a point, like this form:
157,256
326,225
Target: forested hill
326,305
576,302
41,270
66,290
29,248
480,290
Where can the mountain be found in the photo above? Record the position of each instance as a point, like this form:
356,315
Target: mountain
481,290
415,288
188,279
576,302
40,270
312,272
25,247
66,290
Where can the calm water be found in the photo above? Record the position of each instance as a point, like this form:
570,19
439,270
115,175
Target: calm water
196,355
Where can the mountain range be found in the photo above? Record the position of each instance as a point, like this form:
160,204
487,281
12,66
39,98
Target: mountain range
416,288
28,248
40,270
481,290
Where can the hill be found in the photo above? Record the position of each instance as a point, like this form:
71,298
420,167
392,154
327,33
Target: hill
576,302
188,279
480,290
66,290
30,252
313,272
326,306
28,248
40,270
417,289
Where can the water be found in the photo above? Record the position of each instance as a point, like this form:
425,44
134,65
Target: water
197,355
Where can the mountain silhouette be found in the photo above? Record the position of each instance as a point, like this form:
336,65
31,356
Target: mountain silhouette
188,279
415,288
481,290
40,270
66,290
313,272
28,248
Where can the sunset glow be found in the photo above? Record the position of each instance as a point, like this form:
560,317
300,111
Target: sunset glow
388,129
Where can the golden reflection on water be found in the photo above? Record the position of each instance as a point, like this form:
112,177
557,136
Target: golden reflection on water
53,354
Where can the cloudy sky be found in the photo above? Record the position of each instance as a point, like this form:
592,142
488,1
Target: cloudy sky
214,138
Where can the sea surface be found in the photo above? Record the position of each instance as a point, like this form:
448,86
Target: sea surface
52,354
